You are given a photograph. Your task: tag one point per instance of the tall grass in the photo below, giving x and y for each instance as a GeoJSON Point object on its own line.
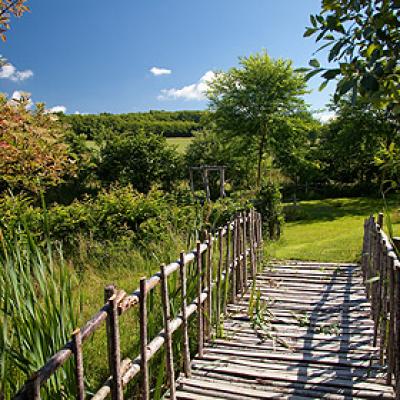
{"type": "Point", "coordinates": [37, 312]}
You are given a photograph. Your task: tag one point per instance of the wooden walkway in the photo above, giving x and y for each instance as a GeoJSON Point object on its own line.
{"type": "Point", "coordinates": [310, 337]}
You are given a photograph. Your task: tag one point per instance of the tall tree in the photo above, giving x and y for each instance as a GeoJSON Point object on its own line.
{"type": "Point", "coordinates": [363, 38]}
{"type": "Point", "coordinates": [245, 99]}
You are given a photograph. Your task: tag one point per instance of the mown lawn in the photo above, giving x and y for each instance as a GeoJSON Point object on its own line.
{"type": "Point", "coordinates": [330, 229]}
{"type": "Point", "coordinates": [181, 143]}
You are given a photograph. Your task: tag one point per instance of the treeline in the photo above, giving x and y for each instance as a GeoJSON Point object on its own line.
{"type": "Point", "coordinates": [165, 123]}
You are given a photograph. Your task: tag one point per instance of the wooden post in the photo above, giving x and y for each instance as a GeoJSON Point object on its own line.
{"type": "Point", "coordinates": [80, 385]}
{"type": "Point", "coordinates": [219, 272]}
{"type": "Point", "coordinates": [397, 331]}
{"type": "Point", "coordinates": [168, 335]}
{"type": "Point", "coordinates": [251, 239]}
{"type": "Point", "coordinates": [206, 183]}
{"type": "Point", "coordinates": [391, 341]}
{"type": "Point", "coordinates": [383, 301]}
{"type": "Point", "coordinates": [113, 342]}
{"type": "Point", "coordinates": [116, 393]}
{"type": "Point", "coordinates": [200, 326]}
{"type": "Point", "coordinates": [233, 290]}
{"type": "Point", "coordinates": [380, 220]}
{"type": "Point", "coordinates": [222, 182]}
{"type": "Point", "coordinates": [144, 367]}
{"type": "Point", "coordinates": [239, 255]}
{"type": "Point", "coordinates": [227, 268]}
{"type": "Point", "coordinates": [245, 277]}
{"type": "Point", "coordinates": [185, 336]}
{"type": "Point", "coordinates": [34, 388]}
{"type": "Point", "coordinates": [191, 180]}
{"type": "Point", "coordinates": [209, 285]}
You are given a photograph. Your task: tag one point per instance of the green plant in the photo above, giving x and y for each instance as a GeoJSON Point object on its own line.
{"type": "Point", "coordinates": [268, 203]}
{"type": "Point", "coordinates": [38, 312]}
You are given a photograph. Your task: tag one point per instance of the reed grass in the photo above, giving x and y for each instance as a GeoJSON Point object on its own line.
{"type": "Point", "coordinates": [38, 312]}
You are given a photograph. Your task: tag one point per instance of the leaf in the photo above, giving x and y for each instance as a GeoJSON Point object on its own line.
{"type": "Point", "coordinates": [314, 63]}
{"type": "Point", "coordinates": [312, 73]}
{"type": "Point", "coordinates": [331, 73]}
{"type": "Point", "coordinates": [309, 32]}
{"type": "Point", "coordinates": [302, 70]}
{"type": "Point", "coordinates": [370, 83]}
{"type": "Point", "coordinates": [322, 86]}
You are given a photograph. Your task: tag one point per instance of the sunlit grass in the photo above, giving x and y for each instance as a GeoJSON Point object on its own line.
{"type": "Point", "coordinates": [181, 143]}
{"type": "Point", "coordinates": [330, 230]}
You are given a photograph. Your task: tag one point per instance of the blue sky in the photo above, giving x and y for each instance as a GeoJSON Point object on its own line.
{"type": "Point", "coordinates": [96, 56]}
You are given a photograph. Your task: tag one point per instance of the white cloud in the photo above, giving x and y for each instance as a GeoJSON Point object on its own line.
{"type": "Point", "coordinates": [195, 91]}
{"type": "Point", "coordinates": [160, 71]}
{"type": "Point", "coordinates": [57, 109]}
{"type": "Point", "coordinates": [325, 117]}
{"type": "Point", "coordinates": [8, 71]}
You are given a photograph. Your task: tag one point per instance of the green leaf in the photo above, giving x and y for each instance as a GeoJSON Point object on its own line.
{"type": "Point", "coordinates": [309, 32]}
{"type": "Point", "coordinates": [331, 73]}
{"type": "Point", "coordinates": [370, 83]}
{"type": "Point", "coordinates": [322, 86]}
{"type": "Point", "coordinates": [312, 73]}
{"type": "Point", "coordinates": [314, 63]}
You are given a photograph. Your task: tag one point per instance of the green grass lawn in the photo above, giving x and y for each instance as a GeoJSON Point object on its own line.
{"type": "Point", "coordinates": [330, 229]}
{"type": "Point", "coordinates": [180, 142]}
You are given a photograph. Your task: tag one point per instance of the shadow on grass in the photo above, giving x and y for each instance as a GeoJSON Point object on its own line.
{"type": "Point", "coordinates": [332, 209]}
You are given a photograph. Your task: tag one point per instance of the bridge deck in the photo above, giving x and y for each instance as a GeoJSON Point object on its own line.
{"type": "Point", "coordinates": [311, 337]}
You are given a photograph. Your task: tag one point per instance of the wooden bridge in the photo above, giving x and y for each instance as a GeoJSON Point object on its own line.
{"type": "Point", "coordinates": [287, 330]}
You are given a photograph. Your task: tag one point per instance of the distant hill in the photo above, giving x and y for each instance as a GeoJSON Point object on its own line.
{"type": "Point", "coordinates": [166, 123]}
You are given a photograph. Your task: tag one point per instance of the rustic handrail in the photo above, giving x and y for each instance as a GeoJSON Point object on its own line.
{"type": "Point", "coordinates": [381, 273]}
{"type": "Point", "coordinates": [243, 252]}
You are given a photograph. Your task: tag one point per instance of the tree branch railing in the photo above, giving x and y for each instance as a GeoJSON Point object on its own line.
{"type": "Point", "coordinates": [381, 273]}
{"type": "Point", "coordinates": [225, 274]}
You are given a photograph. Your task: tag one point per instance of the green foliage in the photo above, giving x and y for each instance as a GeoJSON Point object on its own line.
{"type": "Point", "coordinates": [349, 143]}
{"type": "Point", "coordinates": [246, 99]}
{"type": "Point", "coordinates": [38, 312]}
{"type": "Point", "coordinates": [363, 39]}
{"type": "Point", "coordinates": [164, 123]}
{"type": "Point", "coordinates": [268, 203]}
{"type": "Point", "coordinates": [141, 160]}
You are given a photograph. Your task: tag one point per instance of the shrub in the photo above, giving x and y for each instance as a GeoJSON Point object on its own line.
{"type": "Point", "coordinates": [268, 203]}
{"type": "Point", "coordinates": [141, 160]}
{"type": "Point", "coordinates": [32, 152]}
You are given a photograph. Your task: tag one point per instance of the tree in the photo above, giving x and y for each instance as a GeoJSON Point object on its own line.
{"type": "Point", "coordinates": [9, 8]}
{"type": "Point", "coordinates": [139, 159]}
{"type": "Point", "coordinates": [350, 142]}
{"type": "Point", "coordinates": [246, 99]}
{"type": "Point", "coordinates": [32, 153]}
{"type": "Point", "coordinates": [363, 38]}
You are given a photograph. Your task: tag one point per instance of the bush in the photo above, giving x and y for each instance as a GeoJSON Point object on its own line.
{"type": "Point", "coordinates": [268, 203]}
{"type": "Point", "coordinates": [141, 160]}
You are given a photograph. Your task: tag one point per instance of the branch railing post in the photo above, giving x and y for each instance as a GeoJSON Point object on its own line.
{"type": "Point", "coordinates": [200, 320]}
{"type": "Point", "coordinates": [185, 336]}
{"type": "Point", "coordinates": [381, 274]}
{"type": "Point", "coordinates": [144, 367]}
{"type": "Point", "coordinates": [209, 278]}
{"type": "Point", "coordinates": [168, 335]}
{"type": "Point", "coordinates": [79, 374]}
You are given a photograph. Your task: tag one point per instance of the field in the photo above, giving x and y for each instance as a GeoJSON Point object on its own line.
{"type": "Point", "coordinates": [180, 142]}
{"type": "Point", "coordinates": [329, 230]}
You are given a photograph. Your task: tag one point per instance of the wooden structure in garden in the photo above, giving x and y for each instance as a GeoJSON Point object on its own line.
{"type": "Point", "coordinates": [205, 169]}
{"type": "Point", "coordinates": [288, 330]}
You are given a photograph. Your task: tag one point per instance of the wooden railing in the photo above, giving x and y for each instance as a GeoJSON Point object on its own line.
{"type": "Point", "coordinates": [239, 252]}
{"type": "Point", "coordinates": [381, 272]}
